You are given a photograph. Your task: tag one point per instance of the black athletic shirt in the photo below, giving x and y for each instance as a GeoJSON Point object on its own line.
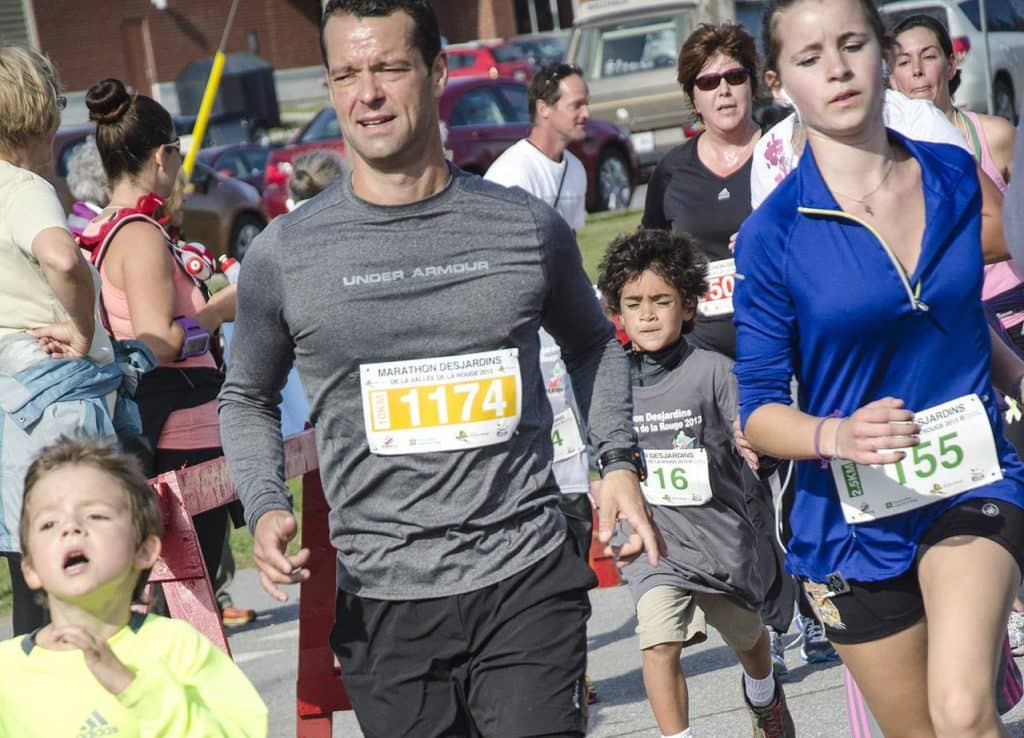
{"type": "Point", "coordinates": [685, 196]}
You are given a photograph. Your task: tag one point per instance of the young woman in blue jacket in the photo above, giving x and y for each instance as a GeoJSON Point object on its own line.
{"type": "Point", "coordinates": [861, 275]}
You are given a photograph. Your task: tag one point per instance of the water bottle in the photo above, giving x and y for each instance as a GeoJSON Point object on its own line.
{"type": "Point", "coordinates": [230, 267]}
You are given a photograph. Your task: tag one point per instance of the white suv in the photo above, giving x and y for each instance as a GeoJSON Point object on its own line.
{"type": "Point", "coordinates": [1006, 46]}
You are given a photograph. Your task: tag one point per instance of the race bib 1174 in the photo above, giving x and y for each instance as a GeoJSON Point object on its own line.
{"type": "Point", "coordinates": [957, 453]}
{"type": "Point", "coordinates": [446, 403]}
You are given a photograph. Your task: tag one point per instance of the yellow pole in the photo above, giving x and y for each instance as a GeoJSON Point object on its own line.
{"type": "Point", "coordinates": [209, 96]}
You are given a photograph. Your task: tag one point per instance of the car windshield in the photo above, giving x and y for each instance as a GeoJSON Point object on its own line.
{"type": "Point", "coordinates": [507, 53]}
{"type": "Point", "coordinates": [632, 46]}
{"type": "Point", "coordinates": [1001, 15]}
{"type": "Point", "coordinates": [323, 127]}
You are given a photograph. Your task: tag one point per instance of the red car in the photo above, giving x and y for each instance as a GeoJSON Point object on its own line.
{"type": "Point", "coordinates": [483, 117]}
{"type": "Point", "coordinates": [489, 59]}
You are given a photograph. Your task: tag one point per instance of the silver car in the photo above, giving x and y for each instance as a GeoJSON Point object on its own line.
{"type": "Point", "coordinates": [1006, 47]}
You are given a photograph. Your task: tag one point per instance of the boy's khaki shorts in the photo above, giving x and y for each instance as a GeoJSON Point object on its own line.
{"type": "Point", "coordinates": [674, 615]}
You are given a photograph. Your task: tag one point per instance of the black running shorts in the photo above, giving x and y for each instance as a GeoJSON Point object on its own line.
{"type": "Point", "coordinates": [507, 660]}
{"type": "Point", "coordinates": [873, 610]}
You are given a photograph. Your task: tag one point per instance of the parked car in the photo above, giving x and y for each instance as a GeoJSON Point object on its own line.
{"type": "Point", "coordinates": [483, 118]}
{"type": "Point", "coordinates": [543, 48]}
{"type": "Point", "coordinates": [1006, 47]}
{"type": "Point", "coordinates": [321, 132]}
{"type": "Point", "coordinates": [488, 59]}
{"type": "Point", "coordinates": [242, 161]}
{"type": "Point", "coordinates": [223, 213]}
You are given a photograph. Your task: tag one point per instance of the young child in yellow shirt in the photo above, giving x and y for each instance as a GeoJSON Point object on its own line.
{"type": "Point", "coordinates": [90, 531]}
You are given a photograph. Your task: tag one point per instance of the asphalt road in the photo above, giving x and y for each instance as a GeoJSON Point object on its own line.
{"type": "Point", "coordinates": [266, 651]}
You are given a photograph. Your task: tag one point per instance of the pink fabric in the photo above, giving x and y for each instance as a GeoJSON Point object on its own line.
{"type": "Point", "coordinates": [190, 428]}
{"type": "Point", "coordinates": [988, 166]}
{"type": "Point", "coordinates": [1006, 274]}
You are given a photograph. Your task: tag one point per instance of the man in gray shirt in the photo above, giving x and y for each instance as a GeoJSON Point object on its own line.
{"type": "Point", "coordinates": [410, 296]}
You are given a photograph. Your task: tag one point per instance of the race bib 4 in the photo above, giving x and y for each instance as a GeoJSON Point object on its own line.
{"type": "Point", "coordinates": [446, 403]}
{"type": "Point", "coordinates": [957, 453]}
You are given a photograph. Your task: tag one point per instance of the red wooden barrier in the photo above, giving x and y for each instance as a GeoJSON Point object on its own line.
{"type": "Point", "coordinates": [320, 690]}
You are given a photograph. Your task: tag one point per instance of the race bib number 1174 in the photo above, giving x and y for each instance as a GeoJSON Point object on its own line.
{"type": "Point", "coordinates": [441, 404]}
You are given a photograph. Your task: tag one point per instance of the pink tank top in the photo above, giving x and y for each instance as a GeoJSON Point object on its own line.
{"type": "Point", "coordinates": [196, 427]}
{"type": "Point", "coordinates": [1006, 274]}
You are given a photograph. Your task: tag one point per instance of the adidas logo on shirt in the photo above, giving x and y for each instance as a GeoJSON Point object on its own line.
{"type": "Point", "coordinates": [724, 194]}
{"type": "Point", "coordinates": [96, 726]}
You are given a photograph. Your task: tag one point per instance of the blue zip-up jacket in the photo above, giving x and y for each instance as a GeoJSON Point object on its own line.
{"type": "Point", "coordinates": [819, 295]}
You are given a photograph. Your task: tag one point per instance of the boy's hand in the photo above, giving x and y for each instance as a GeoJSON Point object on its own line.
{"type": "Point", "coordinates": [273, 532]}
{"type": "Point", "coordinates": [104, 665]}
{"type": "Point", "coordinates": [747, 451]}
{"type": "Point", "coordinates": [620, 498]}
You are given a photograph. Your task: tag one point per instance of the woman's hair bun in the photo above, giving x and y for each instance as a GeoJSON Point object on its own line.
{"type": "Point", "coordinates": [107, 101]}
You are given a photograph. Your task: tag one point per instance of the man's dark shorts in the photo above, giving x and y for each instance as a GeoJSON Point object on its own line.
{"type": "Point", "coordinates": [507, 660]}
{"type": "Point", "coordinates": [873, 610]}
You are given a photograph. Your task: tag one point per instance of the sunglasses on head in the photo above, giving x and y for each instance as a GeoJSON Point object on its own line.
{"type": "Point", "coordinates": [709, 82]}
{"type": "Point", "coordinates": [561, 72]}
{"type": "Point", "coordinates": [174, 144]}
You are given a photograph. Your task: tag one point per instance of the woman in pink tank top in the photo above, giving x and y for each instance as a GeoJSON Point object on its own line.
{"type": "Point", "coordinates": [925, 67]}
{"type": "Point", "coordinates": [148, 295]}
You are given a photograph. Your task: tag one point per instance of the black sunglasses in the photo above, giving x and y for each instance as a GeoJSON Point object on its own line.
{"type": "Point", "coordinates": [709, 82]}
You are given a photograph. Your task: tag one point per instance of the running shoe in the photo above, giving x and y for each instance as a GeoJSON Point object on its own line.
{"type": "Point", "coordinates": [778, 652]}
{"type": "Point", "coordinates": [233, 616]}
{"type": "Point", "coordinates": [815, 647]}
{"type": "Point", "coordinates": [773, 721]}
{"type": "Point", "coordinates": [1015, 629]}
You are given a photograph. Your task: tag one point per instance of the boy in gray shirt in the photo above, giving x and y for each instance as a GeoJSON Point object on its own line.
{"type": "Point", "coordinates": [684, 404]}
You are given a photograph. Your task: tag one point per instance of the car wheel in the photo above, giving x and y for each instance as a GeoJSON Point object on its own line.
{"type": "Point", "coordinates": [614, 186]}
{"type": "Point", "coordinates": [247, 226]}
{"type": "Point", "coordinates": [1002, 100]}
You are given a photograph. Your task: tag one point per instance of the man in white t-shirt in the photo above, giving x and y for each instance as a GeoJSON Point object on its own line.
{"type": "Point", "coordinates": [541, 163]}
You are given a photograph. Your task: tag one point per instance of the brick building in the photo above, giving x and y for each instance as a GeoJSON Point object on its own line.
{"type": "Point", "coordinates": [149, 46]}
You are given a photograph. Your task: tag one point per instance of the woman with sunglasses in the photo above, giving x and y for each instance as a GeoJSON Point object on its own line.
{"type": "Point", "coordinates": [148, 294]}
{"type": "Point", "coordinates": [43, 278]}
{"type": "Point", "coordinates": [702, 188]}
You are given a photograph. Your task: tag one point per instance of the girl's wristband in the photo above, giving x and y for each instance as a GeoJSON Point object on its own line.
{"type": "Point", "coordinates": [817, 439]}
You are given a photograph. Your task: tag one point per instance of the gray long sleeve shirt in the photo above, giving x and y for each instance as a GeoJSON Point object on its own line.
{"type": "Point", "coordinates": [339, 284]}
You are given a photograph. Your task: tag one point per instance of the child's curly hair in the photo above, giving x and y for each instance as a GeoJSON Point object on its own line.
{"type": "Point", "coordinates": [673, 257]}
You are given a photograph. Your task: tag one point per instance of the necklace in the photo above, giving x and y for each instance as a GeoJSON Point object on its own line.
{"type": "Point", "coordinates": [862, 200]}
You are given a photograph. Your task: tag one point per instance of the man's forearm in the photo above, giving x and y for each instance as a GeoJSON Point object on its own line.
{"type": "Point", "coordinates": [251, 436]}
{"type": "Point", "coordinates": [601, 384]}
